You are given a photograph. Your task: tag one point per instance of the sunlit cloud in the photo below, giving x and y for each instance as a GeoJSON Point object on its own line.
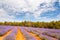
{"type": "Point", "coordinates": [27, 9]}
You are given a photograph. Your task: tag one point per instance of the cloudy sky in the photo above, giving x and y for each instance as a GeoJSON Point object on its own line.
{"type": "Point", "coordinates": [30, 10]}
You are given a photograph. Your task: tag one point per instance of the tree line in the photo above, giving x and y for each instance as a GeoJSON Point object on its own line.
{"type": "Point", "coordinates": [52, 24]}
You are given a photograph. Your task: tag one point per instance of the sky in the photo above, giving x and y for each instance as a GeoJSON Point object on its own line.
{"type": "Point", "coordinates": [29, 10]}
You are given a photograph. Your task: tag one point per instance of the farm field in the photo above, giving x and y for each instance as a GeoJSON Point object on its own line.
{"type": "Point", "coordinates": [28, 33]}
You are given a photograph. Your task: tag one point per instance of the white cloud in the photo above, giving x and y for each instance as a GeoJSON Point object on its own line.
{"type": "Point", "coordinates": [33, 6]}
{"type": "Point", "coordinates": [59, 2]}
{"type": "Point", "coordinates": [4, 16]}
{"type": "Point", "coordinates": [26, 5]}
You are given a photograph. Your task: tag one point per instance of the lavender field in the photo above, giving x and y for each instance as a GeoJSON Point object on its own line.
{"type": "Point", "coordinates": [29, 19]}
{"type": "Point", "coordinates": [28, 33]}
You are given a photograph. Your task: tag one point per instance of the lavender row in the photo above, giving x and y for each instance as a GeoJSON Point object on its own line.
{"type": "Point", "coordinates": [4, 29]}
{"type": "Point", "coordinates": [27, 35]}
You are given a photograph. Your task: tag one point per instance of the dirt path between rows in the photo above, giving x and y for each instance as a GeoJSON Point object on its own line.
{"type": "Point", "coordinates": [19, 35]}
{"type": "Point", "coordinates": [7, 33]}
{"type": "Point", "coordinates": [34, 35]}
